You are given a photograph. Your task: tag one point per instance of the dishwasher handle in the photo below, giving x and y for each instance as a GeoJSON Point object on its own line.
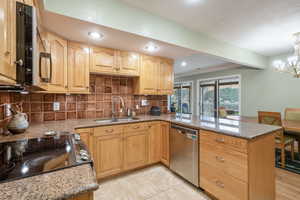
{"type": "Point", "coordinates": [184, 130]}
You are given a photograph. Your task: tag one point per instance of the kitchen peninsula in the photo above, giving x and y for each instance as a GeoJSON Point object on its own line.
{"type": "Point", "coordinates": [235, 158]}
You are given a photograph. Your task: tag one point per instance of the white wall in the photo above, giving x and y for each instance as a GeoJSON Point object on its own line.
{"type": "Point", "coordinates": [266, 90]}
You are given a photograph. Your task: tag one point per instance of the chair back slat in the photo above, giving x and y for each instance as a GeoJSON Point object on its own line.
{"type": "Point", "coordinates": [271, 118]}
{"type": "Point", "coordinates": [292, 114]}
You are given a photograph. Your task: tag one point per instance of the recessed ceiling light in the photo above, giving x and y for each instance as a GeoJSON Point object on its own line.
{"type": "Point", "coordinates": [193, 1]}
{"type": "Point", "coordinates": [95, 35]}
{"type": "Point", "coordinates": [151, 47]}
{"type": "Point", "coordinates": [183, 63]}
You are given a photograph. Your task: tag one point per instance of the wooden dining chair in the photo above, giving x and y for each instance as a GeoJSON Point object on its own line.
{"type": "Point", "coordinates": [282, 141]}
{"type": "Point", "coordinates": [293, 114]}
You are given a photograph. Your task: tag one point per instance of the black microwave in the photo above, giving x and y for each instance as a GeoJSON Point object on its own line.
{"type": "Point", "coordinates": [26, 45]}
{"type": "Point", "coordinates": [28, 56]}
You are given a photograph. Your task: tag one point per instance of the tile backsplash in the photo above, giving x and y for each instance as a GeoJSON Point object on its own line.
{"type": "Point", "coordinates": [98, 104]}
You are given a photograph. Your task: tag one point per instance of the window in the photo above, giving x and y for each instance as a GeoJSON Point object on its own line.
{"type": "Point", "coordinates": [181, 100]}
{"type": "Point", "coordinates": [219, 97]}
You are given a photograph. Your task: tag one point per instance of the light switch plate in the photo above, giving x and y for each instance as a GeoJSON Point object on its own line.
{"type": "Point", "coordinates": [144, 103]}
{"type": "Point", "coordinates": [56, 106]}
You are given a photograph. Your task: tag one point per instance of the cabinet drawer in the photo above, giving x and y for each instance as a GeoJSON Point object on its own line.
{"type": "Point", "coordinates": [231, 162]}
{"type": "Point", "coordinates": [222, 186]}
{"type": "Point", "coordinates": [136, 127]}
{"type": "Point", "coordinates": [108, 130]}
{"type": "Point", "coordinates": [228, 142]}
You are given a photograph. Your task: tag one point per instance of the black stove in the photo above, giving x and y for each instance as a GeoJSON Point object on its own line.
{"type": "Point", "coordinates": [29, 157]}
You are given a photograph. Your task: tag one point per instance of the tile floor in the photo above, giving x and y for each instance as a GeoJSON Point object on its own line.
{"type": "Point", "coordinates": [153, 183]}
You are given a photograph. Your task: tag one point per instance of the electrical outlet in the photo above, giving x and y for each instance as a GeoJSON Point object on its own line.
{"type": "Point", "coordinates": [7, 112]}
{"type": "Point", "coordinates": [56, 106]}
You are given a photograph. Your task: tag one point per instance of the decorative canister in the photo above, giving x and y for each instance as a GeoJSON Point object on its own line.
{"type": "Point", "coordinates": [19, 123]}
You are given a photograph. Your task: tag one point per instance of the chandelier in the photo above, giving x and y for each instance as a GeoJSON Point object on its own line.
{"type": "Point", "coordinates": [292, 65]}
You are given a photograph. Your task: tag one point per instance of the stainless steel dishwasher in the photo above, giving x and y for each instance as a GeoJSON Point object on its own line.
{"type": "Point", "coordinates": [184, 153]}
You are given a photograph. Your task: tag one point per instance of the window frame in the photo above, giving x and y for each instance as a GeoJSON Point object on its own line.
{"type": "Point", "coordinates": [191, 85]}
{"type": "Point", "coordinates": [238, 76]}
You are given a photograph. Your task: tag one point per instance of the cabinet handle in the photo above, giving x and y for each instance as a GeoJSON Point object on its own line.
{"type": "Point", "coordinates": [220, 184]}
{"type": "Point", "coordinates": [7, 53]}
{"type": "Point", "coordinates": [220, 159]}
{"type": "Point", "coordinates": [136, 127]}
{"type": "Point", "coordinates": [109, 131]}
{"type": "Point", "coordinates": [220, 140]}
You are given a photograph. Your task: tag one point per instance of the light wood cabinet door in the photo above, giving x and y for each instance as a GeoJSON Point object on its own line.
{"type": "Point", "coordinates": [28, 2]}
{"type": "Point", "coordinates": [155, 143]}
{"type": "Point", "coordinates": [58, 48]}
{"type": "Point", "coordinates": [136, 149]}
{"type": "Point", "coordinates": [165, 133]}
{"type": "Point", "coordinates": [108, 155]}
{"type": "Point", "coordinates": [7, 41]}
{"type": "Point", "coordinates": [85, 196]}
{"type": "Point", "coordinates": [128, 63]}
{"type": "Point", "coordinates": [148, 81]}
{"type": "Point", "coordinates": [103, 60]}
{"type": "Point", "coordinates": [78, 68]}
{"type": "Point", "coordinates": [166, 77]}
{"type": "Point", "coordinates": [85, 137]}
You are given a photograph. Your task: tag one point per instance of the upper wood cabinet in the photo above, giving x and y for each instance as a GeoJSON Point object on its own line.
{"type": "Point", "coordinates": [166, 77]}
{"type": "Point", "coordinates": [128, 63]}
{"type": "Point", "coordinates": [78, 68]}
{"type": "Point", "coordinates": [147, 83]}
{"type": "Point", "coordinates": [58, 49]}
{"type": "Point", "coordinates": [8, 42]}
{"type": "Point", "coordinates": [156, 76]}
{"type": "Point", "coordinates": [114, 62]}
{"type": "Point", "coordinates": [103, 60]}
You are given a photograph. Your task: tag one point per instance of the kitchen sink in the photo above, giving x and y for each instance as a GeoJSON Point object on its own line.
{"type": "Point", "coordinates": [127, 119]}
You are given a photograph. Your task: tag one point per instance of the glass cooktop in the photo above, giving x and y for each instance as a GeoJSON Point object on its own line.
{"type": "Point", "coordinates": [29, 157]}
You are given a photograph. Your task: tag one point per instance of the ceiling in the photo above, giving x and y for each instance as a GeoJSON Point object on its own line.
{"type": "Point", "coordinates": [76, 30]}
{"type": "Point", "coordinates": [263, 26]}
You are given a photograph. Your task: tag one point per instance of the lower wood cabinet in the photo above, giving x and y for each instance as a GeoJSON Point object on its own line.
{"type": "Point", "coordinates": [85, 196]}
{"type": "Point", "coordinates": [136, 149]}
{"type": "Point", "coordinates": [119, 148]}
{"type": "Point", "coordinates": [85, 134]}
{"type": "Point", "coordinates": [108, 155]}
{"type": "Point", "coordinates": [165, 133]}
{"type": "Point", "coordinates": [155, 142]}
{"type": "Point", "coordinates": [233, 168]}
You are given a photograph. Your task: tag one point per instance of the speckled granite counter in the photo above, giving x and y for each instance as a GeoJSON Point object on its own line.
{"type": "Point", "coordinates": [247, 130]}
{"type": "Point", "coordinates": [58, 185]}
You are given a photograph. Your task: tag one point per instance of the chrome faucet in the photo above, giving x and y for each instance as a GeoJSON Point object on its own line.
{"type": "Point", "coordinates": [113, 110]}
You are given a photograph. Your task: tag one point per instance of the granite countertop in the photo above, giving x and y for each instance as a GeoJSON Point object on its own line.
{"type": "Point", "coordinates": [236, 128]}
{"type": "Point", "coordinates": [58, 185]}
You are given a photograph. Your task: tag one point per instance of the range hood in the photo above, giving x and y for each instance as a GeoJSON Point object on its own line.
{"type": "Point", "coordinates": [13, 88]}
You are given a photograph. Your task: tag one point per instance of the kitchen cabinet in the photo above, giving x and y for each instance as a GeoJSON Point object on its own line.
{"type": "Point", "coordinates": [147, 83]}
{"type": "Point", "coordinates": [156, 76]}
{"type": "Point", "coordinates": [166, 77]}
{"type": "Point", "coordinates": [108, 150]}
{"type": "Point", "coordinates": [58, 48]}
{"type": "Point", "coordinates": [28, 2]}
{"type": "Point", "coordinates": [78, 68]}
{"type": "Point", "coordinates": [128, 63]}
{"type": "Point", "coordinates": [165, 139]}
{"type": "Point", "coordinates": [155, 142]}
{"type": "Point", "coordinates": [136, 148]}
{"type": "Point", "coordinates": [8, 42]}
{"type": "Point", "coordinates": [85, 136]}
{"type": "Point", "coordinates": [103, 60]}
{"type": "Point", "coordinates": [85, 196]}
{"type": "Point", "coordinates": [233, 168]}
